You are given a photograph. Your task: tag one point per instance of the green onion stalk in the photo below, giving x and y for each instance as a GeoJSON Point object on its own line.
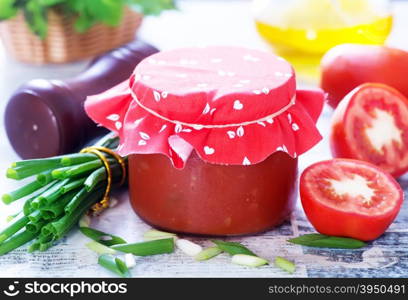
{"type": "Point", "coordinates": [61, 191]}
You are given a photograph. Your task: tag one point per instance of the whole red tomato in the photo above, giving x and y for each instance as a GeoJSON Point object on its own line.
{"type": "Point", "coordinates": [344, 67]}
{"type": "Point", "coordinates": [349, 198]}
{"type": "Point", "coordinates": [371, 124]}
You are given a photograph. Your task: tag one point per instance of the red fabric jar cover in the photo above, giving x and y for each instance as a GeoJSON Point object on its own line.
{"type": "Point", "coordinates": [232, 105]}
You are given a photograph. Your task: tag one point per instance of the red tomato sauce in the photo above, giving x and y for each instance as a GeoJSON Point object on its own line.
{"type": "Point", "coordinates": [211, 199]}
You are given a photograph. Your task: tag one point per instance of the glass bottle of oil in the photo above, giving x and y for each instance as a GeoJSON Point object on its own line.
{"type": "Point", "coordinates": [303, 30]}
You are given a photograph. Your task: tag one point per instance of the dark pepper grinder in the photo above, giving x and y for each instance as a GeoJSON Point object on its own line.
{"type": "Point", "coordinates": [46, 117]}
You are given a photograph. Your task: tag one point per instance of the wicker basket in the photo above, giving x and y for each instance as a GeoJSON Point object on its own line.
{"type": "Point", "coordinates": [63, 44]}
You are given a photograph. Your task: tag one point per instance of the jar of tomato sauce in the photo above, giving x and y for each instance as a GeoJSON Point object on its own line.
{"type": "Point", "coordinates": [212, 137]}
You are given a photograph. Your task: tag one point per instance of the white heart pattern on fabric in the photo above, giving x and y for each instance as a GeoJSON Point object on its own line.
{"type": "Point", "coordinates": [157, 96]}
{"type": "Point", "coordinates": [163, 128]}
{"type": "Point", "coordinates": [144, 135]}
{"type": "Point", "coordinates": [164, 95]}
{"type": "Point", "coordinates": [238, 105]}
{"type": "Point", "coordinates": [269, 120]}
{"type": "Point", "coordinates": [138, 121]}
{"type": "Point", "coordinates": [209, 150]}
{"type": "Point", "coordinates": [178, 128]}
{"type": "Point", "coordinates": [240, 131]}
{"type": "Point", "coordinates": [142, 143]}
{"type": "Point", "coordinates": [289, 118]}
{"type": "Point", "coordinates": [246, 161]}
{"type": "Point", "coordinates": [118, 125]}
{"type": "Point", "coordinates": [295, 127]}
{"type": "Point", "coordinates": [207, 109]}
{"type": "Point", "coordinates": [231, 134]}
{"type": "Point", "coordinates": [113, 117]}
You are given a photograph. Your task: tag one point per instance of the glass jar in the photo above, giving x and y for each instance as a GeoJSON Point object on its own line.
{"type": "Point", "coordinates": [301, 31]}
{"type": "Point", "coordinates": [212, 199]}
{"type": "Point", "coordinates": [212, 136]}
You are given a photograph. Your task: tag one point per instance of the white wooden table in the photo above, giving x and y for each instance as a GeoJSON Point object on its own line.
{"type": "Point", "coordinates": [201, 23]}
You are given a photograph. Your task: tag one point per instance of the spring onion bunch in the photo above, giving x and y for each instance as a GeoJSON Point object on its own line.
{"type": "Point", "coordinates": [61, 191]}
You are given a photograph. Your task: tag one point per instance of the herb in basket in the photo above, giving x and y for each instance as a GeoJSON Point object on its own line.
{"type": "Point", "coordinates": [86, 12]}
{"type": "Point", "coordinates": [64, 188]}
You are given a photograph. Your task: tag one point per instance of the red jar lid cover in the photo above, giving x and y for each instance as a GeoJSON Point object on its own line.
{"type": "Point", "coordinates": [232, 105]}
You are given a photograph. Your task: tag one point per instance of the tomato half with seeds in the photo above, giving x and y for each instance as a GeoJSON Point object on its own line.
{"type": "Point", "coordinates": [371, 124]}
{"type": "Point", "coordinates": [350, 198]}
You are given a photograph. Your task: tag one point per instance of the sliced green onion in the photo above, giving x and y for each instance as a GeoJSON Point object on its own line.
{"type": "Point", "coordinates": [85, 221]}
{"type": "Point", "coordinates": [45, 177]}
{"type": "Point", "coordinates": [41, 240]}
{"type": "Point", "coordinates": [72, 185]}
{"type": "Point", "coordinates": [113, 264]}
{"type": "Point", "coordinates": [147, 248]}
{"type": "Point", "coordinates": [78, 158]}
{"type": "Point", "coordinates": [285, 264]}
{"type": "Point", "coordinates": [60, 227]}
{"type": "Point", "coordinates": [35, 216]}
{"type": "Point", "coordinates": [17, 223]}
{"type": "Point", "coordinates": [99, 248]}
{"type": "Point", "coordinates": [59, 173]}
{"type": "Point", "coordinates": [56, 209]}
{"type": "Point", "coordinates": [97, 176]}
{"type": "Point", "coordinates": [83, 168]}
{"type": "Point", "coordinates": [49, 195]}
{"type": "Point", "coordinates": [208, 253]}
{"type": "Point", "coordinates": [76, 201]}
{"type": "Point", "coordinates": [10, 218]}
{"type": "Point", "coordinates": [35, 227]}
{"type": "Point", "coordinates": [27, 208]}
{"type": "Point", "coordinates": [45, 246]}
{"type": "Point", "coordinates": [188, 247]}
{"type": "Point", "coordinates": [21, 192]}
{"type": "Point", "coordinates": [130, 260]}
{"type": "Point", "coordinates": [248, 260]}
{"type": "Point", "coordinates": [325, 241]}
{"type": "Point", "coordinates": [233, 248]}
{"type": "Point", "coordinates": [21, 172]}
{"type": "Point", "coordinates": [38, 162]}
{"type": "Point", "coordinates": [16, 241]}
{"type": "Point", "coordinates": [102, 237]}
{"type": "Point", "coordinates": [157, 235]}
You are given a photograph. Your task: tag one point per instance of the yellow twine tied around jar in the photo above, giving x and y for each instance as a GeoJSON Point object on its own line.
{"type": "Point", "coordinates": [98, 151]}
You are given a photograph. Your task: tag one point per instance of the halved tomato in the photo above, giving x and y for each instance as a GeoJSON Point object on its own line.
{"type": "Point", "coordinates": [371, 124]}
{"type": "Point", "coordinates": [350, 198]}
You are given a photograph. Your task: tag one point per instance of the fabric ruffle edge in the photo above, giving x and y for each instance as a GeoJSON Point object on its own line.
{"type": "Point", "coordinates": [294, 131]}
